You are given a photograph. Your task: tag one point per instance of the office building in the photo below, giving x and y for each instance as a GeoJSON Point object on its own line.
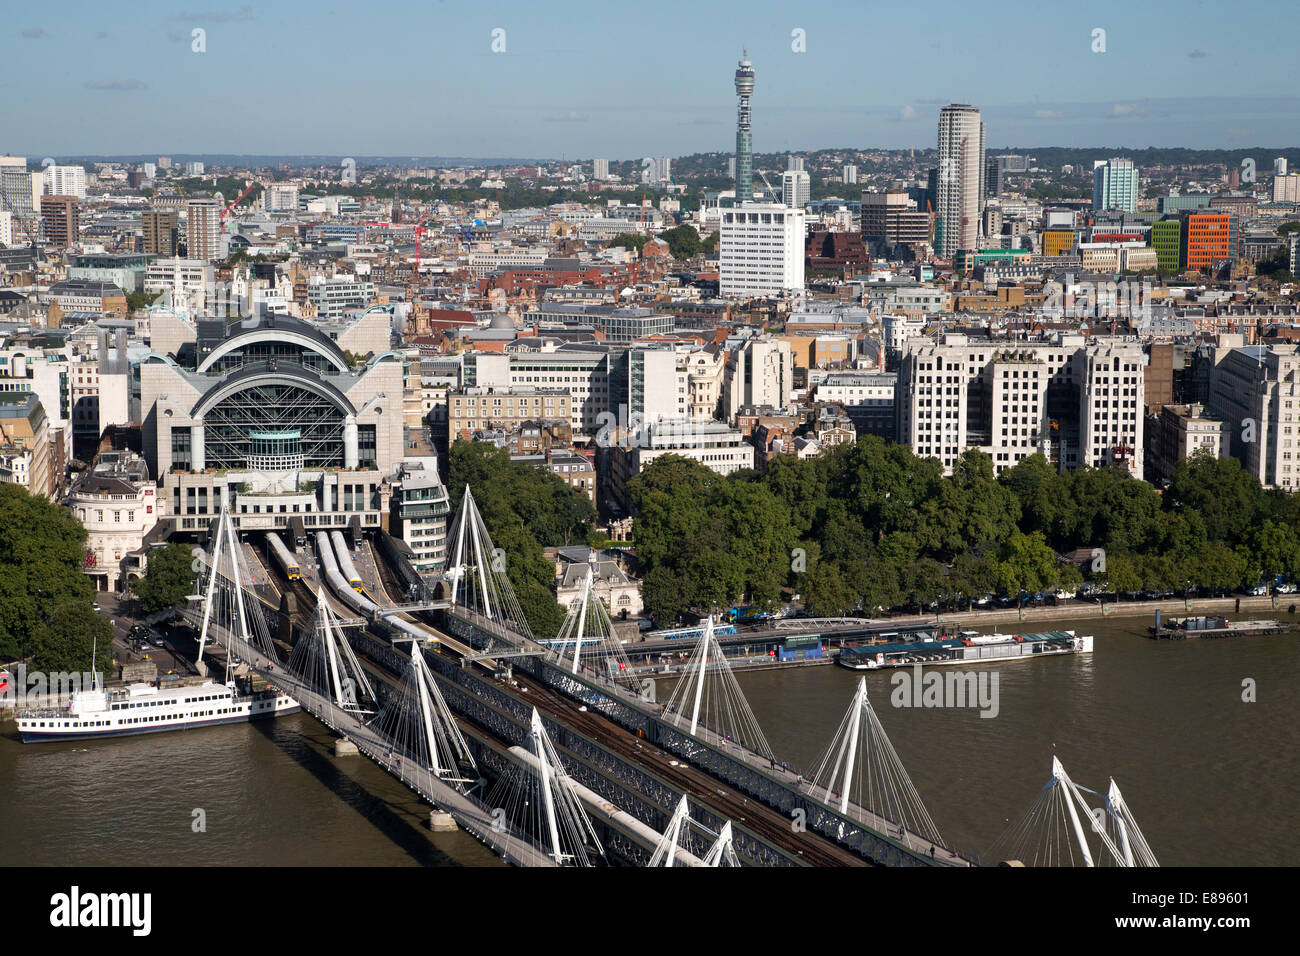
{"type": "Point", "coordinates": [893, 217]}
{"type": "Point", "coordinates": [1167, 241]}
{"type": "Point", "coordinates": [203, 229]}
{"type": "Point", "coordinates": [194, 169]}
{"type": "Point", "coordinates": [716, 445]}
{"type": "Point", "coordinates": [282, 197]}
{"type": "Point", "coordinates": [420, 511]}
{"type": "Point", "coordinates": [1254, 389]}
{"type": "Point", "coordinates": [270, 420]}
{"type": "Point", "coordinates": [760, 372]}
{"type": "Point", "coordinates": [161, 232]}
{"type": "Point", "coordinates": [60, 219]}
{"type": "Point", "coordinates": [795, 185]}
{"type": "Point", "coordinates": [64, 181]}
{"type": "Point", "coordinates": [616, 323]}
{"type": "Point", "coordinates": [478, 408]}
{"type": "Point", "coordinates": [25, 445]}
{"type": "Point", "coordinates": [333, 297]}
{"type": "Point", "coordinates": [761, 250]}
{"type": "Point", "coordinates": [1182, 431]}
{"type": "Point", "coordinates": [600, 169]}
{"type": "Point", "coordinates": [959, 179]}
{"type": "Point", "coordinates": [1115, 185]}
{"type": "Point", "coordinates": [1206, 238]}
{"type": "Point", "coordinates": [1077, 402]}
{"type": "Point", "coordinates": [1286, 187]}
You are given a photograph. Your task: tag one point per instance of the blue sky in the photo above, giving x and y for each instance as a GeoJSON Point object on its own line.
{"type": "Point", "coordinates": [623, 80]}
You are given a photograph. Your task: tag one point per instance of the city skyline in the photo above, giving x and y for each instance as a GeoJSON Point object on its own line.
{"type": "Point", "coordinates": [136, 86]}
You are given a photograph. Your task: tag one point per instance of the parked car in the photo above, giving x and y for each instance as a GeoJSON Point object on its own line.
{"type": "Point", "coordinates": [1287, 588]}
{"type": "Point", "coordinates": [1259, 590]}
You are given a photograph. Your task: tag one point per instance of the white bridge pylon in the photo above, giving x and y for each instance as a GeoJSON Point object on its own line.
{"type": "Point", "coordinates": [477, 572]}
{"type": "Point", "coordinates": [419, 725]}
{"type": "Point", "coordinates": [1057, 825]}
{"type": "Point", "coordinates": [670, 849]}
{"type": "Point", "coordinates": [708, 693]}
{"type": "Point", "coordinates": [590, 631]}
{"type": "Point", "coordinates": [541, 799]}
{"type": "Point", "coordinates": [225, 594]}
{"type": "Point", "coordinates": [326, 662]}
{"type": "Point", "coordinates": [861, 767]}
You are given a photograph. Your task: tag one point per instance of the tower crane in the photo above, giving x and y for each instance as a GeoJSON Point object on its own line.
{"type": "Point", "coordinates": [238, 199]}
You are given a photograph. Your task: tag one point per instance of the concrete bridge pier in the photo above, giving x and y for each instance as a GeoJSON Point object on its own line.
{"type": "Point", "coordinates": [442, 822]}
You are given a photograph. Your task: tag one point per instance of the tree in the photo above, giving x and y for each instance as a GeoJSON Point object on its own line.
{"type": "Point", "coordinates": [1228, 498]}
{"type": "Point", "coordinates": [167, 580]}
{"type": "Point", "coordinates": [1037, 486]}
{"type": "Point", "coordinates": [140, 299]}
{"type": "Point", "coordinates": [683, 241]}
{"type": "Point", "coordinates": [1270, 549]}
{"type": "Point", "coordinates": [826, 592]}
{"type": "Point", "coordinates": [1122, 574]}
{"type": "Point", "coordinates": [65, 640]}
{"type": "Point", "coordinates": [973, 574]}
{"type": "Point", "coordinates": [524, 508]}
{"type": "Point", "coordinates": [42, 551]}
{"type": "Point", "coordinates": [626, 240]}
{"type": "Point", "coordinates": [1026, 563]}
{"type": "Point", "coordinates": [719, 540]}
{"type": "Point", "coordinates": [710, 244]}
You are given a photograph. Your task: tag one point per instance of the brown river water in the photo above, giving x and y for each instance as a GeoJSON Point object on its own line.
{"type": "Point", "coordinates": [1210, 779]}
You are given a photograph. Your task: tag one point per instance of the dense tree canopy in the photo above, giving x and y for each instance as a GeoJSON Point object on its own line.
{"type": "Point", "coordinates": [43, 592]}
{"type": "Point", "coordinates": [872, 525]}
{"type": "Point", "coordinates": [683, 241]}
{"type": "Point", "coordinates": [629, 240]}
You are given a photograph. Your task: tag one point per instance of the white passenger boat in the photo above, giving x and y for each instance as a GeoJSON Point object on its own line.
{"type": "Point", "coordinates": [145, 709]}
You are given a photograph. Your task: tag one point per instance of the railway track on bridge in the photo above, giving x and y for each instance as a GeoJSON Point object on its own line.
{"type": "Point", "coordinates": [762, 820]}
{"type": "Point", "coordinates": [758, 817]}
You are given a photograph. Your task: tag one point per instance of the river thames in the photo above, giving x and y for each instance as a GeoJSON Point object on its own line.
{"type": "Point", "coordinates": [1211, 779]}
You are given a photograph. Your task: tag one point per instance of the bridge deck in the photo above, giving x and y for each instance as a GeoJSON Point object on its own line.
{"type": "Point", "coordinates": [471, 814]}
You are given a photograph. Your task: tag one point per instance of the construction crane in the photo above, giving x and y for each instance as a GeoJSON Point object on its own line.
{"type": "Point", "coordinates": [238, 199]}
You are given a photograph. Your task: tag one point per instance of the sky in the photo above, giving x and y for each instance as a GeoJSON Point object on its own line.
{"type": "Point", "coordinates": [625, 80]}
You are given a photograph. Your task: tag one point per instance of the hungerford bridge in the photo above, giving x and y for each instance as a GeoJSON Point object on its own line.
{"type": "Point", "coordinates": [553, 754]}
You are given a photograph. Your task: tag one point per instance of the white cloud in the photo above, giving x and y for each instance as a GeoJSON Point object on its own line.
{"type": "Point", "coordinates": [907, 113]}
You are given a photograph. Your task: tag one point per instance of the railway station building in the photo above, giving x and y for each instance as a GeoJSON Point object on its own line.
{"type": "Point", "coordinates": [273, 418]}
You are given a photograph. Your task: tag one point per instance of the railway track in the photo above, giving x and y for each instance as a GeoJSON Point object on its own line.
{"type": "Point", "coordinates": [758, 817]}
{"type": "Point", "coordinates": [755, 815]}
{"type": "Point", "coordinates": [764, 821]}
